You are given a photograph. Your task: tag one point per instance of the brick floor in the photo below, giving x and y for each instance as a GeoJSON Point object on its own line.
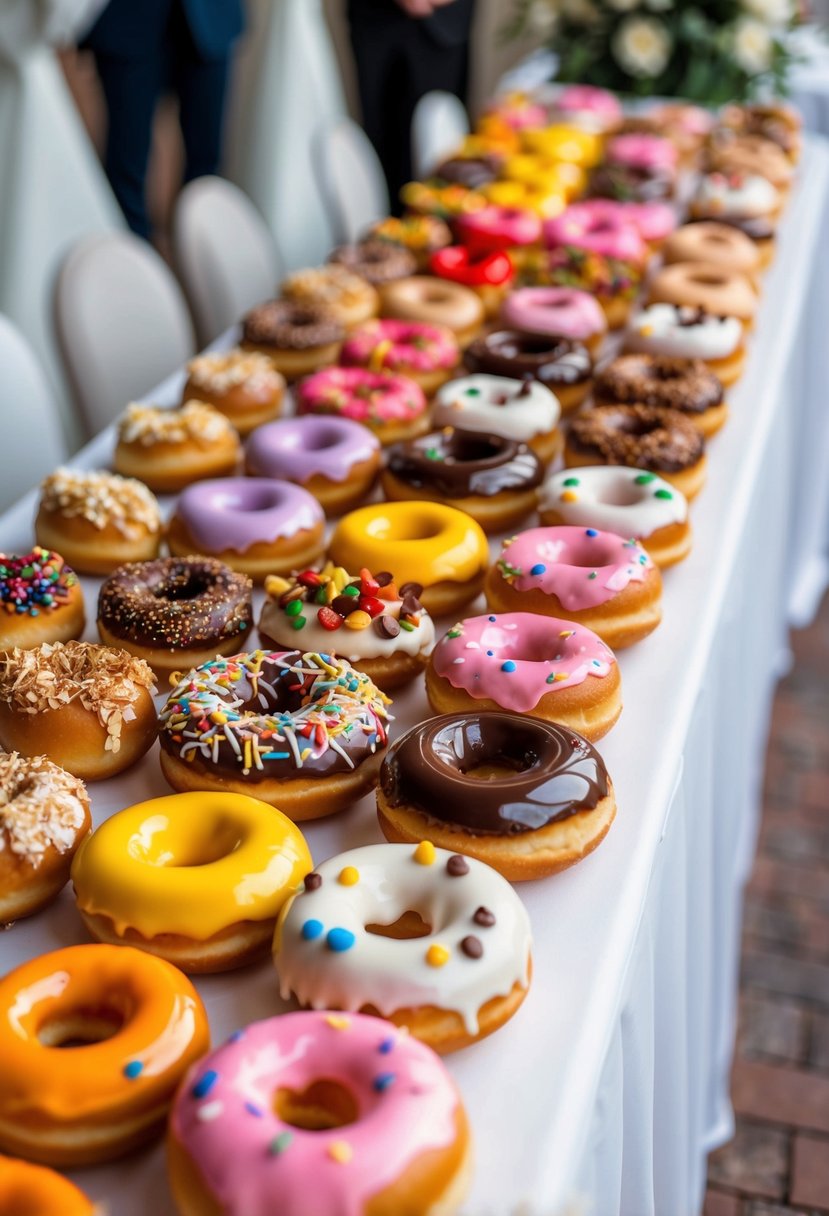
{"type": "Point", "coordinates": [778, 1162]}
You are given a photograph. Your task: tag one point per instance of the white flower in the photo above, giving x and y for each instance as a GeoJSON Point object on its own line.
{"type": "Point", "coordinates": [752, 45]}
{"type": "Point", "coordinates": [581, 12]}
{"type": "Point", "coordinates": [543, 16]}
{"type": "Point", "coordinates": [622, 6]}
{"type": "Point", "coordinates": [642, 46]}
{"type": "Point", "coordinates": [770, 12]}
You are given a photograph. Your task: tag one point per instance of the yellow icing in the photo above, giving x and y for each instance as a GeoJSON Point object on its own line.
{"type": "Point", "coordinates": [563, 142]}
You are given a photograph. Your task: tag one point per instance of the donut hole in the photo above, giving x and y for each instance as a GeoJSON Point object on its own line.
{"type": "Point", "coordinates": [707, 280]}
{"type": "Point", "coordinates": [187, 586]}
{"type": "Point", "coordinates": [621, 493]}
{"type": "Point", "coordinates": [410, 924]}
{"type": "Point", "coordinates": [320, 1107]}
{"type": "Point", "coordinates": [81, 1027]}
{"type": "Point", "coordinates": [407, 527]}
{"type": "Point", "coordinates": [497, 768]}
{"type": "Point", "coordinates": [256, 498]}
{"type": "Point", "coordinates": [321, 442]}
{"type": "Point", "coordinates": [211, 841]}
{"type": "Point", "coordinates": [477, 448]}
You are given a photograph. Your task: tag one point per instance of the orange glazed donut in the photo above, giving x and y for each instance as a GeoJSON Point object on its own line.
{"type": "Point", "coordinates": [32, 1190]}
{"type": "Point", "coordinates": [135, 1024]}
{"type": "Point", "coordinates": [434, 301]}
{"type": "Point", "coordinates": [725, 293]}
{"type": "Point", "coordinates": [40, 600]}
{"type": "Point", "coordinates": [243, 385]}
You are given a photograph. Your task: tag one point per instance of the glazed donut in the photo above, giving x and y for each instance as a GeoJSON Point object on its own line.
{"type": "Point", "coordinates": [364, 1119]}
{"type": "Point", "coordinates": [196, 879]}
{"type": "Point", "coordinates": [685, 385]}
{"type": "Point", "coordinates": [716, 244]}
{"type": "Point", "coordinates": [141, 1023]}
{"type": "Point", "coordinates": [391, 406]}
{"type": "Point", "coordinates": [556, 312]}
{"type": "Point", "coordinates": [297, 338]}
{"type": "Point", "coordinates": [304, 731]}
{"type": "Point", "coordinates": [598, 230]}
{"type": "Point", "coordinates": [561, 365]}
{"type": "Point", "coordinates": [434, 301]}
{"type": "Point", "coordinates": [642, 437]}
{"type": "Point", "coordinates": [726, 293]}
{"type": "Point", "coordinates": [335, 459]}
{"type": "Point", "coordinates": [525, 411]}
{"type": "Point", "coordinates": [596, 108]}
{"type": "Point", "coordinates": [641, 150]}
{"type": "Point", "coordinates": [41, 600]}
{"type": "Point", "coordinates": [425, 983]}
{"type": "Point", "coordinates": [613, 283]}
{"type": "Point", "coordinates": [421, 235]}
{"type": "Point", "coordinates": [627, 183]}
{"type": "Point", "coordinates": [730, 153]}
{"type": "Point", "coordinates": [91, 705]}
{"type": "Point", "coordinates": [624, 501]}
{"type": "Point", "coordinates": [596, 579]}
{"type": "Point", "coordinates": [349, 298]}
{"type": "Point", "coordinates": [435, 198]}
{"type": "Point", "coordinates": [493, 228]}
{"type": "Point", "coordinates": [376, 261]}
{"type": "Point", "coordinates": [169, 448]}
{"type": "Point", "coordinates": [442, 550]}
{"type": "Point", "coordinates": [243, 385]}
{"type": "Point", "coordinates": [175, 612]}
{"type": "Point", "coordinates": [427, 354]}
{"type": "Point", "coordinates": [44, 816]}
{"type": "Point", "coordinates": [97, 520]}
{"type": "Point", "coordinates": [528, 797]}
{"type": "Point", "coordinates": [388, 633]}
{"type": "Point", "coordinates": [565, 142]}
{"type": "Point", "coordinates": [527, 664]}
{"type": "Point", "coordinates": [33, 1190]}
{"type": "Point", "coordinates": [254, 525]}
{"type": "Point", "coordinates": [745, 195]}
{"type": "Point", "coordinates": [494, 480]}
{"type": "Point", "coordinates": [676, 331]}
{"type": "Point", "coordinates": [488, 275]}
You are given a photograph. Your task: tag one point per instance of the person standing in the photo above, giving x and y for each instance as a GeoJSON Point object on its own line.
{"type": "Point", "coordinates": [144, 48]}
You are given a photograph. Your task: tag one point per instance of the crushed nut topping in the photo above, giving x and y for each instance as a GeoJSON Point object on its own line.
{"type": "Point", "coordinates": [41, 807]}
{"type": "Point", "coordinates": [102, 499]}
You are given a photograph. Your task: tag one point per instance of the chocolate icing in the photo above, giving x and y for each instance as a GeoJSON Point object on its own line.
{"type": "Point", "coordinates": [680, 384]}
{"type": "Point", "coordinates": [285, 325]}
{"type": "Point", "coordinates": [638, 436]}
{"type": "Point", "coordinates": [509, 352]}
{"type": "Point", "coordinates": [469, 171]}
{"type": "Point", "coordinates": [630, 183]}
{"type": "Point", "coordinates": [557, 773]}
{"type": "Point", "coordinates": [459, 464]}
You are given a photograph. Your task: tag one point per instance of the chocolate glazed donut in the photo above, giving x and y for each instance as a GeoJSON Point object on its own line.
{"type": "Point", "coordinates": [554, 362]}
{"type": "Point", "coordinates": [282, 324]}
{"type": "Point", "coordinates": [462, 464]}
{"type": "Point", "coordinates": [686, 385]}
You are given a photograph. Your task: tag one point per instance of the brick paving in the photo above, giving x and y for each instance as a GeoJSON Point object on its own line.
{"type": "Point", "coordinates": [778, 1162]}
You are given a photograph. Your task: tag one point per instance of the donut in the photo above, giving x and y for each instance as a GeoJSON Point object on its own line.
{"type": "Point", "coordinates": [470, 171]}
{"type": "Point", "coordinates": [529, 664]}
{"type": "Point", "coordinates": [541, 199]}
{"type": "Point", "coordinates": [652, 221]}
{"type": "Point", "coordinates": [584, 226]}
{"type": "Point", "coordinates": [254, 525]}
{"type": "Point", "coordinates": [421, 235]}
{"type": "Point", "coordinates": [525, 796]}
{"type": "Point", "coordinates": [331, 1113]}
{"type": "Point", "coordinates": [685, 125]}
{"type": "Point", "coordinates": [381, 629]}
{"type": "Point", "coordinates": [488, 275]}
{"type": "Point", "coordinates": [427, 354]}
{"type": "Point", "coordinates": [175, 612]}
{"type": "Point", "coordinates": [726, 293]}
{"type": "Point", "coordinates": [709, 241]}
{"type": "Point", "coordinates": [140, 1023]}
{"type": "Point", "coordinates": [546, 174]}
{"type": "Point", "coordinates": [350, 299]}
{"type": "Point", "coordinates": [745, 195]}
{"type": "Point", "coordinates": [303, 731]}
{"type": "Point", "coordinates": [624, 501]}
{"type": "Point", "coordinates": [776, 121]}
{"type": "Point", "coordinates": [297, 338]}
{"type": "Point", "coordinates": [440, 200]}
{"type": "Point", "coordinates": [441, 549]}
{"type": "Point", "coordinates": [243, 385]}
{"type": "Point", "coordinates": [33, 1190]}
{"type": "Point", "coordinates": [335, 459]}
{"type": "Point", "coordinates": [493, 228]}
{"type": "Point", "coordinates": [677, 331]}
{"type": "Point", "coordinates": [391, 406]}
{"type": "Point", "coordinates": [451, 986]}
{"type": "Point", "coordinates": [493, 479]}
{"type": "Point", "coordinates": [597, 108]}
{"type": "Point", "coordinates": [525, 411]}
{"type": "Point", "coordinates": [518, 110]}
{"type": "Point", "coordinates": [556, 312]}
{"type": "Point", "coordinates": [561, 365]}
{"type": "Point", "coordinates": [595, 579]}
{"type": "Point", "coordinates": [731, 153]}
{"type": "Point", "coordinates": [167, 449]}
{"type": "Point", "coordinates": [629, 183]}
{"type": "Point", "coordinates": [429, 300]}
{"type": "Point", "coordinates": [89, 707]}
{"type": "Point", "coordinates": [565, 141]}
{"type": "Point", "coordinates": [196, 879]}
{"type": "Point", "coordinates": [378, 262]}
{"type": "Point", "coordinates": [41, 600]}
{"type": "Point", "coordinates": [44, 816]}
{"type": "Point", "coordinates": [646, 437]}
{"type": "Point", "coordinates": [685, 385]}
{"type": "Point", "coordinates": [613, 283]}
{"type": "Point", "coordinates": [641, 150]}
{"type": "Point", "coordinates": [97, 520]}
{"type": "Point", "coordinates": [492, 135]}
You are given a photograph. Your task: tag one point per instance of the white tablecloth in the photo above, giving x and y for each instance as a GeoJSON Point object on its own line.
{"type": "Point", "coordinates": [605, 1092]}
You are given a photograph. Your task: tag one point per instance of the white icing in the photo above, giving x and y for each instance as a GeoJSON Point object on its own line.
{"type": "Point", "coordinates": [475, 404]}
{"type": "Point", "coordinates": [392, 974]}
{"type": "Point", "coordinates": [609, 498]}
{"type": "Point", "coordinates": [749, 195]}
{"type": "Point", "coordinates": [658, 331]}
{"type": "Point", "coordinates": [351, 644]}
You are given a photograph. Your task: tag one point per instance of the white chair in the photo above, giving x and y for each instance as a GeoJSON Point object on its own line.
{"type": "Point", "coordinates": [439, 125]}
{"type": "Point", "coordinates": [224, 254]}
{"type": "Point", "coordinates": [33, 435]}
{"type": "Point", "coordinates": [122, 323]}
{"type": "Point", "coordinates": [350, 179]}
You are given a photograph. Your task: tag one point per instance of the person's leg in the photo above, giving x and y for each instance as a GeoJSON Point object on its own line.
{"type": "Point", "coordinates": [201, 85]}
{"type": "Point", "coordinates": [376, 40]}
{"type": "Point", "coordinates": [131, 89]}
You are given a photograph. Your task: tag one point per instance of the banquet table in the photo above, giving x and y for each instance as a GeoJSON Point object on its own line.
{"type": "Point", "coordinates": [606, 1091]}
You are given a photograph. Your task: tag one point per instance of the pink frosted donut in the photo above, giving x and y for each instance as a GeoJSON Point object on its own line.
{"type": "Point", "coordinates": [642, 151]}
{"type": "Point", "coordinates": [560, 312]}
{"type": "Point", "coordinates": [376, 399]}
{"type": "Point", "coordinates": [231, 1149]}
{"type": "Point", "coordinates": [398, 346]}
{"type": "Point", "coordinates": [582, 567]}
{"type": "Point", "coordinates": [493, 227]}
{"type": "Point", "coordinates": [655, 221]}
{"type": "Point", "coordinates": [586, 226]}
{"type": "Point", "coordinates": [518, 111]}
{"type": "Point", "coordinates": [586, 99]}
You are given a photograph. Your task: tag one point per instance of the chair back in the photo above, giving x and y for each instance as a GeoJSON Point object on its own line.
{"type": "Point", "coordinates": [350, 179]}
{"type": "Point", "coordinates": [33, 438]}
{"type": "Point", "coordinates": [439, 126]}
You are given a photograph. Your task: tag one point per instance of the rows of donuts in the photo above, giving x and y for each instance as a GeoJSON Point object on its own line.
{"type": "Point", "coordinates": [507, 393]}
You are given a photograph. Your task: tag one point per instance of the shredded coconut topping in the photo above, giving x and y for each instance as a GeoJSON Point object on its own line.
{"type": "Point", "coordinates": [102, 499]}
{"type": "Point", "coordinates": [222, 372]}
{"type": "Point", "coordinates": [329, 285]}
{"type": "Point", "coordinates": [41, 807]}
{"type": "Point", "coordinates": [194, 421]}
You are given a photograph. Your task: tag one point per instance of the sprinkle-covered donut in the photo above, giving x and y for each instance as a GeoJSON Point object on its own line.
{"type": "Point", "coordinates": [332, 1113]}
{"type": "Point", "coordinates": [556, 312]}
{"type": "Point", "coordinates": [391, 406]}
{"type": "Point", "coordinates": [335, 459]}
{"type": "Point", "coordinates": [585, 226]}
{"type": "Point", "coordinates": [522, 410]}
{"type": "Point", "coordinates": [376, 261]}
{"type": "Point", "coordinates": [33, 1190]}
{"type": "Point", "coordinates": [726, 293]}
{"type": "Point", "coordinates": [335, 288]}
{"type": "Point", "coordinates": [715, 243]}
{"type": "Point", "coordinates": [475, 973]}
{"type": "Point", "coordinates": [296, 337]}
{"type": "Point", "coordinates": [561, 365]}
{"type": "Point", "coordinates": [425, 353]}
{"type": "Point", "coordinates": [40, 600]}
{"type": "Point", "coordinates": [679, 332]}
{"type": "Point", "coordinates": [686, 385]}
{"type": "Point", "coordinates": [430, 300]}
{"type": "Point", "coordinates": [493, 227]}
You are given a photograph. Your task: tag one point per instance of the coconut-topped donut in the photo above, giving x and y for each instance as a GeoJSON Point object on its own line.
{"type": "Point", "coordinates": [685, 385]}
{"type": "Point", "coordinates": [97, 520]}
{"type": "Point", "coordinates": [243, 384]}
{"type": "Point", "coordinates": [522, 410]}
{"type": "Point", "coordinates": [376, 261]}
{"type": "Point", "coordinates": [168, 448]}
{"type": "Point", "coordinates": [336, 288]}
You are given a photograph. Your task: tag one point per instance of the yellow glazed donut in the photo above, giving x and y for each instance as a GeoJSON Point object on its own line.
{"type": "Point", "coordinates": [563, 142]}
{"type": "Point", "coordinates": [32, 1190]}
{"type": "Point", "coordinates": [136, 1023]}
{"type": "Point", "coordinates": [197, 879]}
{"type": "Point", "coordinates": [438, 548]}
{"type": "Point", "coordinates": [545, 201]}
{"type": "Point", "coordinates": [545, 173]}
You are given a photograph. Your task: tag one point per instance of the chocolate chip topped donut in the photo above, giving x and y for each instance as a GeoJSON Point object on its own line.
{"type": "Point", "coordinates": [686, 385]}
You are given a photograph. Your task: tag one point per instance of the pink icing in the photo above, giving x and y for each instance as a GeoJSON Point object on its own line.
{"type": "Point", "coordinates": [494, 227]}
{"type": "Point", "coordinates": [642, 152]}
{"type": "Point", "coordinates": [514, 658]}
{"type": "Point", "coordinates": [361, 395]}
{"type": "Point", "coordinates": [586, 226]}
{"type": "Point", "coordinates": [238, 512]}
{"type": "Point", "coordinates": [587, 99]}
{"type": "Point", "coordinates": [255, 1164]}
{"type": "Point", "coordinates": [520, 112]}
{"type": "Point", "coordinates": [403, 344]}
{"type": "Point", "coordinates": [655, 221]}
{"type": "Point", "coordinates": [582, 567]}
{"type": "Point", "coordinates": [561, 312]}
{"type": "Point", "coordinates": [298, 449]}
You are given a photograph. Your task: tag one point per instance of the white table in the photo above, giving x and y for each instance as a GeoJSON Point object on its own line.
{"type": "Point", "coordinates": [605, 1092]}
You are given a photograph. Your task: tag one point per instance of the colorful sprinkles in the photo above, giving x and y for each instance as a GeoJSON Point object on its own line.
{"type": "Point", "coordinates": [35, 582]}
{"type": "Point", "coordinates": [338, 598]}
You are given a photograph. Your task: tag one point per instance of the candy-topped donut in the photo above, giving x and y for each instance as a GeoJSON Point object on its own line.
{"type": "Point", "coordinates": [40, 600]}
{"type": "Point", "coordinates": [422, 235]}
{"type": "Point", "coordinates": [430, 300]}
{"type": "Point", "coordinates": [596, 108]}
{"type": "Point", "coordinates": [613, 282]}
{"type": "Point", "coordinates": [686, 385]}
{"type": "Point", "coordinates": [33, 1190]}
{"type": "Point", "coordinates": [557, 312]}
{"type": "Point", "coordinates": [585, 227]}
{"type": "Point", "coordinates": [597, 579]}
{"type": "Point", "coordinates": [492, 228]}
{"type": "Point", "coordinates": [392, 407]}
{"type": "Point", "coordinates": [522, 410]}
{"type": "Point", "coordinates": [335, 288]}
{"type": "Point", "coordinates": [562, 366]}
{"type": "Point", "coordinates": [335, 459]}
{"type": "Point", "coordinates": [378, 262]}
{"type": "Point", "coordinates": [324, 1112]}
{"type": "Point", "coordinates": [683, 332]}
{"type": "Point", "coordinates": [489, 275]}
{"type": "Point", "coordinates": [297, 338]}
{"type": "Point", "coordinates": [455, 985]}
{"type": "Point", "coordinates": [427, 354]}
{"type": "Point", "coordinates": [726, 293]}
{"type": "Point", "coordinates": [715, 243]}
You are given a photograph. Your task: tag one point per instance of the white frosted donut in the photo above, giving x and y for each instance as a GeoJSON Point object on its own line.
{"type": "Point", "coordinates": [747, 195]}
{"type": "Point", "coordinates": [478, 946]}
{"type": "Point", "coordinates": [682, 332]}
{"type": "Point", "coordinates": [497, 405]}
{"type": "Point", "coordinates": [628, 502]}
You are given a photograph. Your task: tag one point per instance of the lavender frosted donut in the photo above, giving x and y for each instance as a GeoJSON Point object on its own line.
{"type": "Point", "coordinates": [335, 459]}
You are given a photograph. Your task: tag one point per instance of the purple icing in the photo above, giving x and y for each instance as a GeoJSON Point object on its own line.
{"type": "Point", "coordinates": [300, 448]}
{"type": "Point", "coordinates": [237, 512]}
